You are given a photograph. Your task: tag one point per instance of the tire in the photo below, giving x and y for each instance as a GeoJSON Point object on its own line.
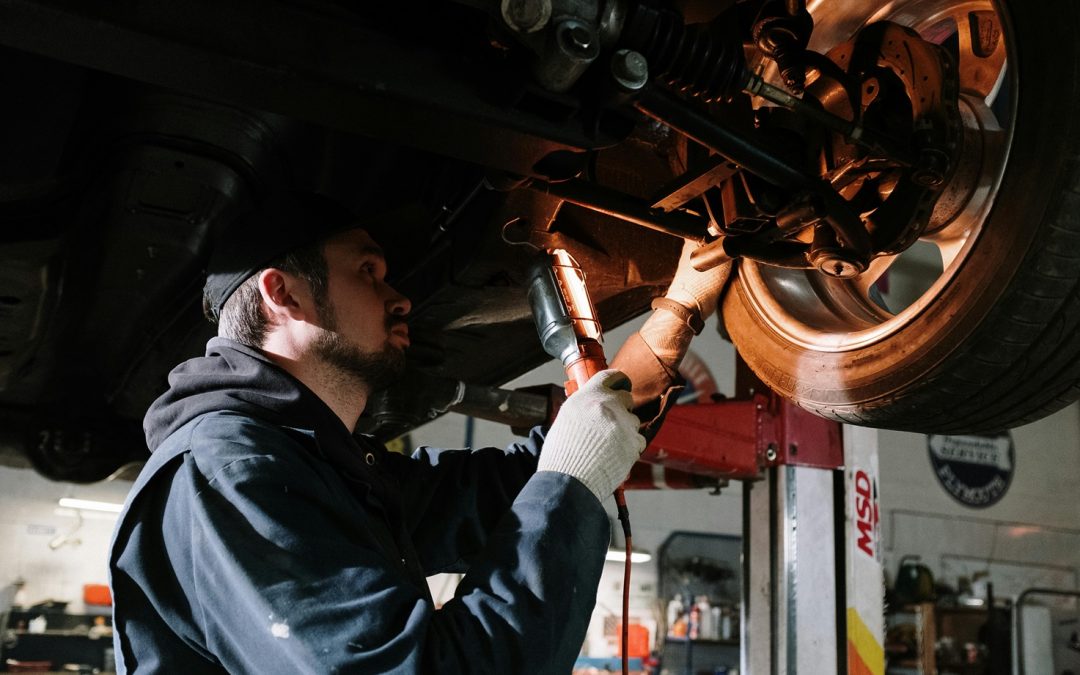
{"type": "Point", "coordinates": [994, 342]}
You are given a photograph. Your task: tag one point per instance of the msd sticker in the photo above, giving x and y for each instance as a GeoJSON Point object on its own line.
{"type": "Point", "coordinates": [865, 579]}
{"type": "Point", "coordinates": [867, 518]}
{"type": "Point", "coordinates": [975, 470]}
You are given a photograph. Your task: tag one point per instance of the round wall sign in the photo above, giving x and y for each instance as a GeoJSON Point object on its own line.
{"type": "Point", "coordinates": [975, 470]}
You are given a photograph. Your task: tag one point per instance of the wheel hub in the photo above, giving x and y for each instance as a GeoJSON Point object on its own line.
{"type": "Point", "coordinates": [832, 313]}
{"type": "Point", "coordinates": [889, 79]}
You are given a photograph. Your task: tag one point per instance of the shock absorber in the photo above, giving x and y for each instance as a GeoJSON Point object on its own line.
{"type": "Point", "coordinates": [704, 61]}
{"type": "Point", "coordinates": [707, 60]}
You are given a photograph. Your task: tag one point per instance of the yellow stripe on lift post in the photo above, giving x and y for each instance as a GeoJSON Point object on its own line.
{"type": "Point", "coordinates": [865, 655]}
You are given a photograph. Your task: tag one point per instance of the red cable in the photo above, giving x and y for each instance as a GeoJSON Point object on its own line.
{"type": "Point", "coordinates": [624, 518]}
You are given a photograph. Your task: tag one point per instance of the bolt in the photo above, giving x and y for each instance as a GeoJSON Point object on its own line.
{"type": "Point", "coordinates": [837, 267]}
{"type": "Point", "coordinates": [630, 69]}
{"type": "Point", "coordinates": [837, 263]}
{"type": "Point", "coordinates": [792, 69]}
{"type": "Point", "coordinates": [526, 16]}
{"type": "Point", "coordinates": [841, 269]}
{"type": "Point", "coordinates": [770, 453]}
{"type": "Point", "coordinates": [930, 172]}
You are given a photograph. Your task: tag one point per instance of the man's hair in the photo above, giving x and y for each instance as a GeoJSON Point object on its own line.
{"type": "Point", "coordinates": [243, 317]}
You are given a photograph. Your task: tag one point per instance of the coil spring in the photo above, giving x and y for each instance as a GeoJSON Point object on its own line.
{"type": "Point", "coordinates": [690, 59]}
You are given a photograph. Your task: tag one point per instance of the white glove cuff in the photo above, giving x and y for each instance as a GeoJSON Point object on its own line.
{"type": "Point", "coordinates": [668, 336]}
{"type": "Point", "coordinates": [595, 436]}
{"type": "Point", "coordinates": [587, 464]}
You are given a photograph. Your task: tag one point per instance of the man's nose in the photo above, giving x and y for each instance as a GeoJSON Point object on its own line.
{"type": "Point", "coordinates": [397, 304]}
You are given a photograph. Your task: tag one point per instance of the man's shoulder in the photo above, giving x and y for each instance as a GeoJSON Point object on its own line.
{"type": "Point", "coordinates": [236, 428]}
{"type": "Point", "coordinates": [222, 439]}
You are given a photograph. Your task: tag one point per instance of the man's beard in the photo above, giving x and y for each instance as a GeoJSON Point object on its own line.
{"type": "Point", "coordinates": [377, 369]}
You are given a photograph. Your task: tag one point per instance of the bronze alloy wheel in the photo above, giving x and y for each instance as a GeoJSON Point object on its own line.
{"type": "Point", "coordinates": [977, 329]}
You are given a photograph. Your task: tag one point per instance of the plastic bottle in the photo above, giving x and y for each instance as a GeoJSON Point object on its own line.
{"type": "Point", "coordinates": [679, 629]}
{"type": "Point", "coordinates": [706, 630]}
{"type": "Point", "coordinates": [694, 629]}
{"type": "Point", "coordinates": [674, 611]}
{"type": "Point", "coordinates": [716, 622]}
{"type": "Point", "coordinates": [725, 624]}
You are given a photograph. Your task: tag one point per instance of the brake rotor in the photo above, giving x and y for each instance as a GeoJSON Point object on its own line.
{"type": "Point", "coordinates": [907, 90]}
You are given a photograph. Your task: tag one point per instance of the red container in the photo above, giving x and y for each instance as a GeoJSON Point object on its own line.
{"type": "Point", "coordinates": [97, 594]}
{"type": "Point", "coordinates": [637, 641]}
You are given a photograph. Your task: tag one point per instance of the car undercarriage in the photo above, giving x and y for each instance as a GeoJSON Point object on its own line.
{"type": "Point", "coordinates": [810, 144]}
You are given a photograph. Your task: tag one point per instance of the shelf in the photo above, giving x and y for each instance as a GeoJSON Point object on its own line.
{"type": "Point", "coordinates": [960, 623]}
{"type": "Point", "coordinates": [49, 632]}
{"type": "Point", "coordinates": [699, 641]}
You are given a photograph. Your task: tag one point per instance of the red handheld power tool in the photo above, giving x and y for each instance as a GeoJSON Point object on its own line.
{"type": "Point", "coordinates": [565, 318]}
{"type": "Point", "coordinates": [569, 331]}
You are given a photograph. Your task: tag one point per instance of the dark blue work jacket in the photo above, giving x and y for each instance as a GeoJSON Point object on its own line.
{"type": "Point", "coordinates": [263, 538]}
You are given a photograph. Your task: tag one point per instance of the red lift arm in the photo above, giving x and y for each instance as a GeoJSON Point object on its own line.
{"type": "Point", "coordinates": [735, 439]}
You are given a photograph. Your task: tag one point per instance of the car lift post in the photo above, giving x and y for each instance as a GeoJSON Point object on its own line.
{"type": "Point", "coordinates": [812, 578]}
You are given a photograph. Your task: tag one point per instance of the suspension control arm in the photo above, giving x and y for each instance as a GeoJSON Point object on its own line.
{"type": "Point", "coordinates": [748, 152]}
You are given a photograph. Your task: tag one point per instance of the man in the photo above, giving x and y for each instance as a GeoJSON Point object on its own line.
{"type": "Point", "coordinates": [263, 536]}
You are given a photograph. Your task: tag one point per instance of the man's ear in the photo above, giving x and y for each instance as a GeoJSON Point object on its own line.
{"type": "Point", "coordinates": [285, 295]}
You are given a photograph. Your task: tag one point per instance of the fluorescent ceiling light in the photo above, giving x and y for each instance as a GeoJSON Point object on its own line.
{"type": "Point", "coordinates": [90, 505]}
{"type": "Point", "coordinates": [620, 556]}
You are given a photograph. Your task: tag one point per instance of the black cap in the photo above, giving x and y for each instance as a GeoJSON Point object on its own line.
{"type": "Point", "coordinates": [283, 223]}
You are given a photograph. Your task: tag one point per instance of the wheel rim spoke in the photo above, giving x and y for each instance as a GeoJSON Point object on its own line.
{"type": "Point", "coordinates": [874, 271]}
{"type": "Point", "coordinates": [949, 246]}
{"type": "Point", "coordinates": [982, 50]}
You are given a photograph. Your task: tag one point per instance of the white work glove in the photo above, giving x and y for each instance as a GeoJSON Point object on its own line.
{"type": "Point", "coordinates": [697, 289]}
{"type": "Point", "coordinates": [595, 436]}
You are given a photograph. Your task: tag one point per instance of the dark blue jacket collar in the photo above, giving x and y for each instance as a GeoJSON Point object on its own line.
{"type": "Point", "coordinates": [235, 377]}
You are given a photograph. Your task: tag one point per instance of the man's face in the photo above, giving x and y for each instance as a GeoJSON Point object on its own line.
{"type": "Point", "coordinates": [366, 334]}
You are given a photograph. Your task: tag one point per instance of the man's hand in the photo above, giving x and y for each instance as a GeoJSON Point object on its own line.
{"type": "Point", "coordinates": [697, 290]}
{"type": "Point", "coordinates": [652, 355]}
{"type": "Point", "coordinates": [595, 436]}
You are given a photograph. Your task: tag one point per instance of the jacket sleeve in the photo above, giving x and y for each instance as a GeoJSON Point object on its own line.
{"type": "Point", "coordinates": [453, 499]}
{"type": "Point", "coordinates": [286, 582]}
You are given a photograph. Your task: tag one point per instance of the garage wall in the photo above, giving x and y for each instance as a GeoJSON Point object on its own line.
{"type": "Point", "coordinates": [1031, 536]}
{"type": "Point", "coordinates": [30, 519]}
